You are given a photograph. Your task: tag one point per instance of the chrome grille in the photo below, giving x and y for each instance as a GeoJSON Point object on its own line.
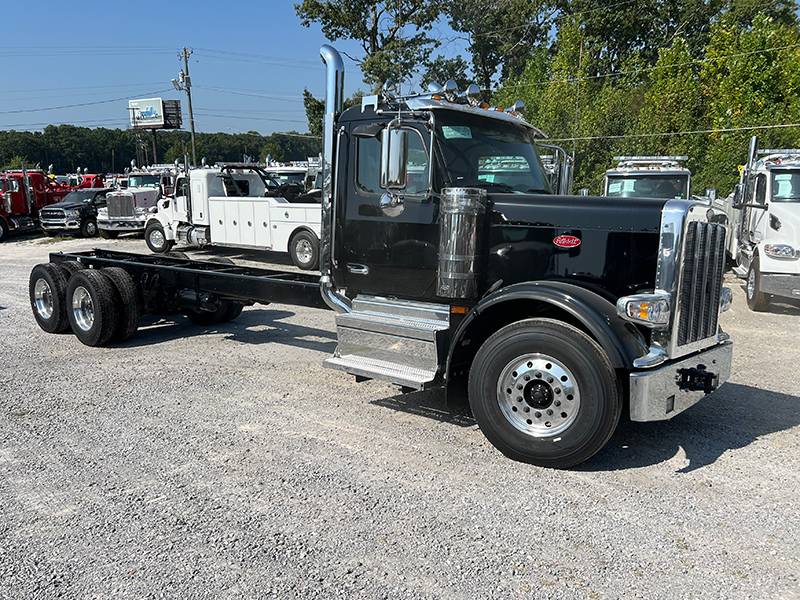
{"type": "Point", "coordinates": [701, 282]}
{"type": "Point", "coordinates": [120, 206]}
{"type": "Point", "coordinates": [51, 213]}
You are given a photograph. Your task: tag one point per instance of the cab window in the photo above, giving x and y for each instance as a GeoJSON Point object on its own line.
{"type": "Point", "coordinates": [761, 189]}
{"type": "Point", "coordinates": [368, 164]}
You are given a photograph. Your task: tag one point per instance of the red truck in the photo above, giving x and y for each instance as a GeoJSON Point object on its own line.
{"type": "Point", "coordinates": [22, 194]}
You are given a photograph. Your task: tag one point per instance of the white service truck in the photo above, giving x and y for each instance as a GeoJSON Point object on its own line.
{"type": "Point", "coordinates": [238, 205]}
{"type": "Point", "coordinates": [649, 177]}
{"type": "Point", "coordinates": [764, 233]}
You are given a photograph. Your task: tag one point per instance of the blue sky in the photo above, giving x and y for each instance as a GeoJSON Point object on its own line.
{"type": "Point", "coordinates": [248, 69]}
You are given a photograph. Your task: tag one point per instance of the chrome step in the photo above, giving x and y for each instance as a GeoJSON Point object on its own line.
{"type": "Point", "coordinates": [383, 370]}
{"type": "Point", "coordinates": [393, 340]}
{"type": "Point", "coordinates": [740, 271]}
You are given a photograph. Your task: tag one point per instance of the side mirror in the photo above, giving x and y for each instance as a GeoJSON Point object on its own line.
{"type": "Point", "coordinates": [711, 194]}
{"type": "Point", "coordinates": [583, 192]}
{"type": "Point", "coordinates": [394, 158]}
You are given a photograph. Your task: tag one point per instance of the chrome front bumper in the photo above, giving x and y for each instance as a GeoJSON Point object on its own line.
{"type": "Point", "coordinates": [660, 394]}
{"type": "Point", "coordinates": [127, 225]}
{"type": "Point", "coordinates": [59, 225]}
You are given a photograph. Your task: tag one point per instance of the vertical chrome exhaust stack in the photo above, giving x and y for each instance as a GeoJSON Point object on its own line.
{"type": "Point", "coordinates": [334, 99]}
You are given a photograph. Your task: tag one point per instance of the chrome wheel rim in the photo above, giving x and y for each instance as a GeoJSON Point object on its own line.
{"type": "Point", "coordinates": [751, 283]}
{"type": "Point", "coordinates": [82, 308]}
{"type": "Point", "coordinates": [538, 395]}
{"type": "Point", "coordinates": [304, 251]}
{"type": "Point", "coordinates": [157, 238]}
{"type": "Point", "coordinates": [43, 298]}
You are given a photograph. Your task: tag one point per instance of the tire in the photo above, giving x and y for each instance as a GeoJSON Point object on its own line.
{"type": "Point", "coordinates": [68, 267]}
{"type": "Point", "coordinates": [757, 300]}
{"type": "Point", "coordinates": [89, 228]}
{"type": "Point", "coordinates": [47, 289]}
{"type": "Point", "coordinates": [304, 250]}
{"type": "Point", "coordinates": [3, 230]}
{"type": "Point", "coordinates": [107, 234]}
{"type": "Point", "coordinates": [559, 368]}
{"type": "Point", "coordinates": [131, 303]}
{"type": "Point", "coordinates": [92, 302]}
{"type": "Point", "coordinates": [156, 239]}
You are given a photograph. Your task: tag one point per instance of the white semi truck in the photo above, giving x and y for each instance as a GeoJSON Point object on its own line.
{"type": "Point", "coordinates": [764, 233]}
{"type": "Point", "coordinates": [238, 205]}
{"type": "Point", "coordinates": [128, 209]}
{"type": "Point", "coordinates": [649, 177]}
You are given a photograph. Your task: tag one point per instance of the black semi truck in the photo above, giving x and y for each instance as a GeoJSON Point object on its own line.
{"type": "Point", "coordinates": [449, 263]}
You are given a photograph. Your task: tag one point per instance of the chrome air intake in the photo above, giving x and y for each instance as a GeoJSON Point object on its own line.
{"type": "Point", "coordinates": [334, 96]}
{"type": "Point", "coordinates": [461, 214]}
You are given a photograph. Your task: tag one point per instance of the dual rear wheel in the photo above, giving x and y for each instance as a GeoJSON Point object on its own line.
{"type": "Point", "coordinates": [99, 305]}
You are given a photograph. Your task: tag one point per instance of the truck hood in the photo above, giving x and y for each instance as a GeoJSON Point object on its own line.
{"type": "Point", "coordinates": [71, 205]}
{"type": "Point", "coordinates": [578, 212]}
{"type": "Point", "coordinates": [609, 245]}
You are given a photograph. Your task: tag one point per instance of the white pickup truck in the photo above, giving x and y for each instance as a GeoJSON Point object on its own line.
{"type": "Point", "coordinates": [238, 205]}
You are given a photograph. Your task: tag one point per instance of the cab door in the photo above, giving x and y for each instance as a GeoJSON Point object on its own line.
{"type": "Point", "coordinates": [379, 249]}
{"type": "Point", "coordinates": [754, 212]}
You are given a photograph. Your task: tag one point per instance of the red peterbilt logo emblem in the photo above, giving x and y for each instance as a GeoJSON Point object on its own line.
{"type": "Point", "coordinates": [567, 241]}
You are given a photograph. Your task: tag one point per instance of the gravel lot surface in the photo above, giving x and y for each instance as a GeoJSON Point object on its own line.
{"type": "Point", "coordinates": [228, 463]}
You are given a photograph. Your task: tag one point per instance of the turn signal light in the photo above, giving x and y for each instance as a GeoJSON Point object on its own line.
{"type": "Point", "coordinates": [651, 310]}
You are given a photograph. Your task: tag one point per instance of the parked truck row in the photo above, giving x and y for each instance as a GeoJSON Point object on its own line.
{"type": "Point", "coordinates": [448, 262]}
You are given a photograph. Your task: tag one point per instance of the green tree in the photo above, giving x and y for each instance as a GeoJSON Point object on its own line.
{"type": "Point", "coordinates": [393, 34]}
{"type": "Point", "coordinates": [440, 69]}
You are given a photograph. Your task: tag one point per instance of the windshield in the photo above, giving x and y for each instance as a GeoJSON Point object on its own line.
{"type": "Point", "coordinates": [647, 186]}
{"type": "Point", "coordinates": [78, 197]}
{"type": "Point", "coordinates": [481, 152]}
{"type": "Point", "coordinates": [786, 186]}
{"type": "Point", "coordinates": [283, 178]}
{"type": "Point", "coordinates": [144, 181]}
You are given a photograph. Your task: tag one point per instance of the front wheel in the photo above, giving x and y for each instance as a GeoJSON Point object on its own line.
{"type": "Point", "coordinates": [304, 250]}
{"type": "Point", "coordinates": [156, 239]}
{"type": "Point", "coordinates": [756, 299]}
{"type": "Point", "coordinates": [89, 228]}
{"type": "Point", "coordinates": [3, 230]}
{"type": "Point", "coordinates": [545, 393]}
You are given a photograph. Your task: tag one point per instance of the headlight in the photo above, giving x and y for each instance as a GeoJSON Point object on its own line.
{"type": "Point", "coordinates": [140, 211]}
{"type": "Point", "coordinates": [651, 310]}
{"type": "Point", "coordinates": [72, 214]}
{"type": "Point", "coordinates": [780, 251]}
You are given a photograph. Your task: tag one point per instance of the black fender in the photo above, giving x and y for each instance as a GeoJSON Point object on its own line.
{"type": "Point", "coordinates": [621, 340]}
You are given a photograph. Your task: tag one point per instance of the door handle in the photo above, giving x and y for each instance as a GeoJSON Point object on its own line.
{"type": "Point", "coordinates": [358, 269]}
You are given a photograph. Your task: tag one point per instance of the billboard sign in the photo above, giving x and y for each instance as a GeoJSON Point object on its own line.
{"type": "Point", "coordinates": [155, 113]}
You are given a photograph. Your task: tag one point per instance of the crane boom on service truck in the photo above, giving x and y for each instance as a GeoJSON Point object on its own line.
{"type": "Point", "coordinates": [444, 267]}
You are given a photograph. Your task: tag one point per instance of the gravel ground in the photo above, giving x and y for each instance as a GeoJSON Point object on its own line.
{"type": "Point", "coordinates": [228, 463]}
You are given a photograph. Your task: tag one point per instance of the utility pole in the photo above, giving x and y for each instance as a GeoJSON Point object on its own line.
{"type": "Point", "coordinates": [184, 83]}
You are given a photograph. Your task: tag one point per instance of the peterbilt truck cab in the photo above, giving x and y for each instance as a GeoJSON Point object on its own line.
{"type": "Point", "coordinates": [449, 263]}
{"type": "Point", "coordinates": [128, 209]}
{"type": "Point", "coordinates": [764, 212]}
{"type": "Point", "coordinates": [648, 177]}
{"type": "Point", "coordinates": [240, 205]}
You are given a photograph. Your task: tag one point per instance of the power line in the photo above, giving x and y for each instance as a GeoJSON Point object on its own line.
{"type": "Point", "coordinates": [249, 118]}
{"type": "Point", "coordinates": [674, 133]}
{"type": "Point", "coordinates": [48, 108]}
{"type": "Point", "coordinates": [251, 94]}
{"type": "Point", "coordinates": [654, 67]}
{"type": "Point", "coordinates": [46, 123]}
{"type": "Point", "coordinates": [281, 59]}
